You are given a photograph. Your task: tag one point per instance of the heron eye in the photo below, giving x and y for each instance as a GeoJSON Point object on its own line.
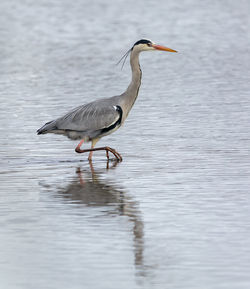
{"type": "Point", "coordinates": [149, 44]}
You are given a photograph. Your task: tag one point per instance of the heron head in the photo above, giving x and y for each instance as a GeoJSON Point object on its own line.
{"type": "Point", "coordinates": [146, 45]}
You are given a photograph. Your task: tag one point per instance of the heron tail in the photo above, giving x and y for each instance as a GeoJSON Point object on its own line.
{"type": "Point", "coordinates": [49, 126]}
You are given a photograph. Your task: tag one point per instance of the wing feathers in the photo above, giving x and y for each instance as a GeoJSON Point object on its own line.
{"type": "Point", "coordinates": [90, 117]}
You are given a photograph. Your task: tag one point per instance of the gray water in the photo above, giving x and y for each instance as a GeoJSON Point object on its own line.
{"type": "Point", "coordinates": [175, 213]}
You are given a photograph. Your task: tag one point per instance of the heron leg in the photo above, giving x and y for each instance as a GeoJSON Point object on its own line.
{"type": "Point", "coordinates": [107, 154]}
{"type": "Point", "coordinates": [94, 141]}
{"type": "Point", "coordinates": [107, 149]}
{"type": "Point", "coordinates": [78, 148]}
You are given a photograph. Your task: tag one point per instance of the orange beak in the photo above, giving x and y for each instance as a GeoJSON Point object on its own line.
{"type": "Point", "coordinates": [163, 48]}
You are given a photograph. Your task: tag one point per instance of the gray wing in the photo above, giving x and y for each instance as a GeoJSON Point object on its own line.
{"type": "Point", "coordinates": [90, 117]}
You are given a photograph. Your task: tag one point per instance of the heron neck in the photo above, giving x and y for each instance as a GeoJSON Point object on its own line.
{"type": "Point", "coordinates": [133, 88]}
{"type": "Point", "coordinates": [136, 72]}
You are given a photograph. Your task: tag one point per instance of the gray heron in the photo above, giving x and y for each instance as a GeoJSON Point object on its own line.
{"type": "Point", "coordinates": [99, 118]}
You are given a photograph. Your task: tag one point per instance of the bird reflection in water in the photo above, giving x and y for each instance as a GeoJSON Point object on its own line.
{"type": "Point", "coordinates": [90, 189]}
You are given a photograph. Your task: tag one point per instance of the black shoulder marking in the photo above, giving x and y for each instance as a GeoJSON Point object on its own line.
{"type": "Point", "coordinates": [118, 122]}
{"type": "Point", "coordinates": [119, 109]}
{"type": "Point", "coordinates": [143, 41]}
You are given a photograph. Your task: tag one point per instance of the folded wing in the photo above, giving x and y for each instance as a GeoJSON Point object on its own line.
{"type": "Point", "coordinates": [90, 117]}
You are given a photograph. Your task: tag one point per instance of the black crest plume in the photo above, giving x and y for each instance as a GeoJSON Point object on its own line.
{"type": "Point", "coordinates": [124, 57]}
{"type": "Point", "coordinates": [143, 41]}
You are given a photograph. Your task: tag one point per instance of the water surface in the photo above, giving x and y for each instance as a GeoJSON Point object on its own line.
{"type": "Point", "coordinates": [175, 212]}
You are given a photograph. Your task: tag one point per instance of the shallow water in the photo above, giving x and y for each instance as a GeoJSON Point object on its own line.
{"type": "Point", "coordinates": [175, 212]}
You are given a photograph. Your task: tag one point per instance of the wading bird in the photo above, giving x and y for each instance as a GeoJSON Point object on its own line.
{"type": "Point", "coordinates": [99, 118]}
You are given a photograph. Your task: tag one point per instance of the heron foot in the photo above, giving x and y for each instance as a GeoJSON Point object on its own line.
{"type": "Point", "coordinates": [114, 152]}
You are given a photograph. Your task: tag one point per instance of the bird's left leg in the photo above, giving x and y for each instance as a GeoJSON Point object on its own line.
{"type": "Point", "coordinates": [78, 148]}
{"type": "Point", "coordinates": [92, 149]}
